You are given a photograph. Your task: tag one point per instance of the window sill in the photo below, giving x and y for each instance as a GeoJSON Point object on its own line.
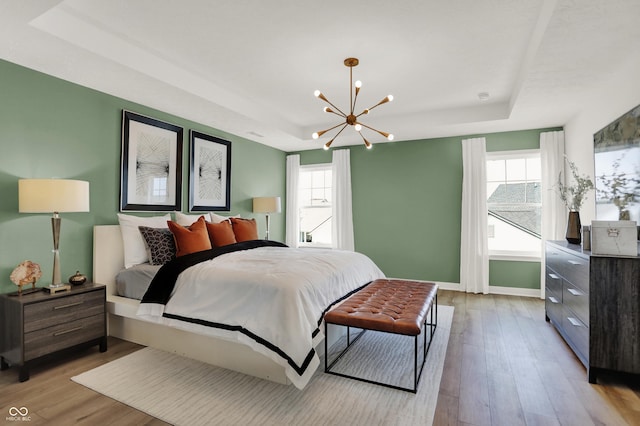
{"type": "Point", "coordinates": [516, 257]}
{"type": "Point", "coordinates": [312, 245]}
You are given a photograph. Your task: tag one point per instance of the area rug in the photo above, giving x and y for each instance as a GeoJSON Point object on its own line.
{"type": "Point", "coordinates": [182, 391]}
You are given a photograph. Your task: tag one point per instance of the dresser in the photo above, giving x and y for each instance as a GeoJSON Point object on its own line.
{"type": "Point", "coordinates": [594, 303]}
{"type": "Point", "coordinates": [39, 324]}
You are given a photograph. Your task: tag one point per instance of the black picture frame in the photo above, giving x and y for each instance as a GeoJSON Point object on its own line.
{"type": "Point", "coordinates": [209, 173]}
{"type": "Point", "coordinates": [150, 164]}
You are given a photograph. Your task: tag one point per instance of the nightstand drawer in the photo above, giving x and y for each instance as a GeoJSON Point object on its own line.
{"type": "Point", "coordinates": [62, 310]}
{"type": "Point", "coordinates": [60, 336]}
{"type": "Point", "coordinates": [553, 282]}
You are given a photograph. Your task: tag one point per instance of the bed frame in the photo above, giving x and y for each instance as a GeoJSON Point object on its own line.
{"type": "Point", "coordinates": [108, 260]}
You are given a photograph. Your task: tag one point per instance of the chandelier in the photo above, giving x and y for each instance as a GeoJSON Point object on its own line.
{"type": "Point", "coordinates": [351, 119]}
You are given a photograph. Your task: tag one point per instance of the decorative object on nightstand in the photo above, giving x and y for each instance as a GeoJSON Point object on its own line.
{"type": "Point", "coordinates": [26, 272]}
{"type": "Point", "coordinates": [267, 205]}
{"type": "Point", "coordinates": [573, 196]}
{"type": "Point", "coordinates": [53, 196]}
{"type": "Point", "coordinates": [40, 324]}
{"type": "Point", "coordinates": [77, 279]}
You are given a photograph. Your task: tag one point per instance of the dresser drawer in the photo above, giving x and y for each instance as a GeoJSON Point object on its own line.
{"type": "Point", "coordinates": [572, 268]}
{"type": "Point", "coordinates": [553, 283]}
{"type": "Point", "coordinates": [577, 301]}
{"type": "Point", "coordinates": [553, 308]}
{"type": "Point", "coordinates": [63, 309]}
{"type": "Point", "coordinates": [61, 336]}
{"type": "Point", "coordinates": [577, 332]}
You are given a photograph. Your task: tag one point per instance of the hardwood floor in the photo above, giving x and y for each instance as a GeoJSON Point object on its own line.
{"type": "Point", "coordinates": [504, 366]}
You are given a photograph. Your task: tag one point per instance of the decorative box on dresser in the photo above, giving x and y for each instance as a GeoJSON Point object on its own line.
{"type": "Point", "coordinates": [594, 303]}
{"type": "Point", "coordinates": [39, 324]}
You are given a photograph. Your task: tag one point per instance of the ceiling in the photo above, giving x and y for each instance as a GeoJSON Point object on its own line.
{"type": "Point", "coordinates": [250, 67]}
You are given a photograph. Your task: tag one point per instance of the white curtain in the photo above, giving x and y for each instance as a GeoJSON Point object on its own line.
{"type": "Point", "coordinates": [342, 223]}
{"type": "Point", "coordinates": [292, 211]}
{"type": "Point", "coordinates": [474, 250]}
{"type": "Point", "coordinates": [554, 212]}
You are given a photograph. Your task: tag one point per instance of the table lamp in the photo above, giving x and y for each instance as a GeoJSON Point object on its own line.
{"type": "Point", "coordinates": [53, 196]}
{"type": "Point", "coordinates": [266, 205]}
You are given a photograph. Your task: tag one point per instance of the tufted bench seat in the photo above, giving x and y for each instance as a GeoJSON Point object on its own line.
{"type": "Point", "coordinates": [392, 306]}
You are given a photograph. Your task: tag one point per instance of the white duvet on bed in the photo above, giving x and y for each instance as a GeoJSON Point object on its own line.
{"type": "Point", "coordinates": [276, 293]}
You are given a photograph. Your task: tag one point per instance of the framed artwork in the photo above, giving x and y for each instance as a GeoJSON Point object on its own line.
{"type": "Point", "coordinates": [617, 168]}
{"type": "Point", "coordinates": [151, 164]}
{"type": "Point", "coordinates": [209, 173]}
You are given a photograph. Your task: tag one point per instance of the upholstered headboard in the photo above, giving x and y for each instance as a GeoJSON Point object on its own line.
{"type": "Point", "coordinates": [108, 255]}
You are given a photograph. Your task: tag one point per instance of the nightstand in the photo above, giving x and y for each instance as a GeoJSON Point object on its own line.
{"type": "Point", "coordinates": [40, 324]}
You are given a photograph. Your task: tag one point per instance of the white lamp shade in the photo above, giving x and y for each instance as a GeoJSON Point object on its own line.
{"type": "Point", "coordinates": [266, 205]}
{"type": "Point", "coordinates": [52, 195]}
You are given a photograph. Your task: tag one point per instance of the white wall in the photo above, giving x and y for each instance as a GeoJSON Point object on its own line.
{"type": "Point", "coordinates": [620, 94]}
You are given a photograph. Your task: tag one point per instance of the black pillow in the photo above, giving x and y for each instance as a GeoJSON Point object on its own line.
{"type": "Point", "coordinates": [161, 246]}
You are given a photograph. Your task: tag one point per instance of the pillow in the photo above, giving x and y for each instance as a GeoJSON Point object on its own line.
{"type": "Point", "coordinates": [135, 251]}
{"type": "Point", "coordinates": [192, 239]}
{"type": "Point", "coordinates": [244, 229]}
{"type": "Point", "coordinates": [221, 234]}
{"type": "Point", "coordinates": [161, 246]}
{"type": "Point", "coordinates": [216, 218]}
{"type": "Point", "coordinates": [188, 219]}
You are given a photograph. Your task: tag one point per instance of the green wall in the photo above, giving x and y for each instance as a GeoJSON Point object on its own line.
{"type": "Point", "coordinates": [53, 128]}
{"type": "Point", "coordinates": [407, 206]}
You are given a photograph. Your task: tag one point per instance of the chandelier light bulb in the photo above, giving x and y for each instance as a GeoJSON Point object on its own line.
{"type": "Point", "coordinates": [358, 127]}
{"type": "Point", "coordinates": [390, 98]}
{"type": "Point", "coordinates": [317, 93]}
{"type": "Point", "coordinates": [315, 135]}
{"type": "Point", "coordinates": [326, 109]}
{"type": "Point", "coordinates": [390, 137]}
{"type": "Point", "coordinates": [358, 84]}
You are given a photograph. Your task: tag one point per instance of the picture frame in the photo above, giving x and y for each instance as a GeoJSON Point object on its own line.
{"type": "Point", "coordinates": [150, 165]}
{"type": "Point", "coordinates": [617, 168]}
{"type": "Point", "coordinates": [209, 173]}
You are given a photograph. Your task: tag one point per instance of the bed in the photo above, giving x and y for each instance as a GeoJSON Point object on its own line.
{"type": "Point", "coordinates": [228, 347]}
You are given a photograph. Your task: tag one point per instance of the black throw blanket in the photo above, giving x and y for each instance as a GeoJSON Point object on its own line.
{"type": "Point", "coordinates": [164, 281]}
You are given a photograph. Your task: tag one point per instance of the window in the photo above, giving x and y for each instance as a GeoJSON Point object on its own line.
{"type": "Point", "coordinates": [514, 203]}
{"type": "Point", "coordinates": [315, 200]}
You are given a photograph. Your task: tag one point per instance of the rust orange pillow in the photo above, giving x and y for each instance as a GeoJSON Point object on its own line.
{"type": "Point", "coordinates": [221, 234]}
{"type": "Point", "coordinates": [190, 239]}
{"type": "Point", "coordinates": [244, 229]}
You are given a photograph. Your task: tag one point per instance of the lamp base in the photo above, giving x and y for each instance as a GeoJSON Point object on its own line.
{"type": "Point", "coordinates": [54, 288]}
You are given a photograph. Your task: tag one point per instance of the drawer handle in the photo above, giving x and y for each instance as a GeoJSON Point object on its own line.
{"type": "Point", "coordinates": [573, 262]}
{"type": "Point", "coordinates": [71, 330]}
{"type": "Point", "coordinates": [70, 305]}
{"type": "Point", "coordinates": [553, 299]}
{"type": "Point", "coordinates": [575, 292]}
{"type": "Point", "coordinates": [574, 322]}
{"type": "Point", "coordinates": [554, 276]}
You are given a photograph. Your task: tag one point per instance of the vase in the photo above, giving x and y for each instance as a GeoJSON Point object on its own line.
{"type": "Point", "coordinates": [574, 235]}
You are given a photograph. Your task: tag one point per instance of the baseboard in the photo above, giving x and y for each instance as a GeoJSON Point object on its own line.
{"type": "Point", "coordinates": [507, 291]}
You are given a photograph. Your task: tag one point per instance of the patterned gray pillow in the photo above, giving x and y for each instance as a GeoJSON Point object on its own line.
{"type": "Point", "coordinates": [161, 246]}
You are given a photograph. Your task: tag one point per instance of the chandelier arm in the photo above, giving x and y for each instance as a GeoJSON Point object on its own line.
{"type": "Point", "coordinates": [328, 144]}
{"type": "Point", "coordinates": [330, 111]}
{"type": "Point", "coordinates": [384, 101]}
{"type": "Point", "coordinates": [385, 134]}
{"type": "Point", "coordinates": [329, 102]}
{"type": "Point", "coordinates": [322, 132]}
{"type": "Point", "coordinates": [366, 142]}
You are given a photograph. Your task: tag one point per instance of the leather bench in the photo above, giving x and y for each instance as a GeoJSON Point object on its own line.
{"type": "Point", "coordinates": [391, 306]}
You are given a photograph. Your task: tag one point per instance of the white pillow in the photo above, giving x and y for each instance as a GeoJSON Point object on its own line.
{"type": "Point", "coordinates": [135, 251]}
{"type": "Point", "coordinates": [216, 218]}
{"type": "Point", "coordinates": [189, 219]}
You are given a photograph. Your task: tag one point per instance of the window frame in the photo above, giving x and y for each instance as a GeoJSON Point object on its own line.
{"type": "Point", "coordinates": [301, 205]}
{"type": "Point", "coordinates": [512, 255]}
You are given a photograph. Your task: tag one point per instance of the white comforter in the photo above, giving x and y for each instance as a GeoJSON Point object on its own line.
{"type": "Point", "coordinates": [277, 294]}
